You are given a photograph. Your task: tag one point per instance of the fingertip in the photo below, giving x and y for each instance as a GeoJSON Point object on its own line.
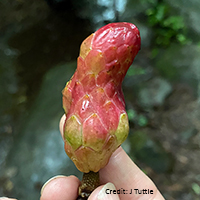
{"type": "Point", "coordinates": [61, 124]}
{"type": "Point", "coordinates": [105, 192]}
{"type": "Point", "coordinates": [94, 194]}
{"type": "Point", "coordinates": [48, 181]}
{"type": "Point", "coordinates": [60, 188]}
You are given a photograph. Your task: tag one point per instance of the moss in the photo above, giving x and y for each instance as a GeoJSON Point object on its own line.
{"type": "Point", "coordinates": [167, 27]}
{"type": "Point", "coordinates": [150, 152]}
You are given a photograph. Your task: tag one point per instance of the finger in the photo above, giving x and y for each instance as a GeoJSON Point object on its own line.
{"type": "Point", "coordinates": [101, 193]}
{"type": "Point", "coordinates": [129, 180]}
{"type": "Point", "coordinates": [61, 125]}
{"type": "Point", "coordinates": [60, 188]}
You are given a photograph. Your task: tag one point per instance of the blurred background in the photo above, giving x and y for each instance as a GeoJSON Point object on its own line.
{"type": "Point", "coordinates": [39, 44]}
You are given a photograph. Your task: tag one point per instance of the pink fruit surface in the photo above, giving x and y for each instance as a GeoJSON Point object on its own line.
{"type": "Point", "coordinates": [96, 121]}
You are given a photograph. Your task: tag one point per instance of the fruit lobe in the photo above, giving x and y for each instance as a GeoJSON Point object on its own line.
{"type": "Point", "coordinates": [96, 121]}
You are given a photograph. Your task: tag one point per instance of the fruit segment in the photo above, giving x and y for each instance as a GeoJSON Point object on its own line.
{"type": "Point", "coordinates": [96, 121]}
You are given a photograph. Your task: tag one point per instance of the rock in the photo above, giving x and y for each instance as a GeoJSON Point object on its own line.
{"type": "Point", "coordinates": [180, 63]}
{"type": "Point", "coordinates": [149, 151]}
{"type": "Point", "coordinates": [38, 152]}
{"type": "Point", "coordinates": [154, 92]}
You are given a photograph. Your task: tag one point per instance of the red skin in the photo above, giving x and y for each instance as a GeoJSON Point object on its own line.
{"type": "Point", "coordinates": [96, 120]}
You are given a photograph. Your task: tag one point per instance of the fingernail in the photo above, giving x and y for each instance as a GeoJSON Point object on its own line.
{"type": "Point", "coordinates": [53, 178]}
{"type": "Point", "coordinates": [108, 192]}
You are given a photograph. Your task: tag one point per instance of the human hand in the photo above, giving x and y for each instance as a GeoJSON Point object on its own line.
{"type": "Point", "coordinates": [120, 175]}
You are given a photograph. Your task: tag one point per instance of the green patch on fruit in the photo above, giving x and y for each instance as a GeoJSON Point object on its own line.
{"type": "Point", "coordinates": [72, 132]}
{"type": "Point", "coordinates": [122, 129]}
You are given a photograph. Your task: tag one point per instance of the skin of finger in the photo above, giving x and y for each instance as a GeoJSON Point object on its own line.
{"type": "Point", "coordinates": [125, 174]}
{"type": "Point", "coordinates": [102, 189]}
{"type": "Point", "coordinates": [94, 196]}
{"type": "Point", "coordinates": [61, 124]}
{"type": "Point", "coordinates": [95, 193]}
{"type": "Point", "coordinates": [62, 188]}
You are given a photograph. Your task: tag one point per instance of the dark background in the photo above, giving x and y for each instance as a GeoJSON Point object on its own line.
{"type": "Point", "coordinates": [39, 44]}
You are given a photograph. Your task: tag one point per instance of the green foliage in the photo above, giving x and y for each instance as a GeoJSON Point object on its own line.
{"type": "Point", "coordinates": [196, 188]}
{"type": "Point", "coordinates": [136, 118]}
{"type": "Point", "coordinates": [170, 72]}
{"type": "Point", "coordinates": [149, 152]}
{"type": "Point", "coordinates": [142, 120]}
{"type": "Point", "coordinates": [131, 114]}
{"type": "Point", "coordinates": [167, 28]}
{"type": "Point", "coordinates": [132, 71]}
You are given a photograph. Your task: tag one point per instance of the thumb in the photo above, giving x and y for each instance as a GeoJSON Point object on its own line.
{"type": "Point", "coordinates": [106, 192]}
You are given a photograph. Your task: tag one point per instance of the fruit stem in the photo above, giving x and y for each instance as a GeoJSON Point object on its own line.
{"type": "Point", "coordinates": [90, 182]}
